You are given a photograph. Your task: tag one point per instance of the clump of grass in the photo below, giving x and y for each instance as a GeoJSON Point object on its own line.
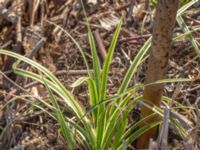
{"type": "Point", "coordinates": [104, 125]}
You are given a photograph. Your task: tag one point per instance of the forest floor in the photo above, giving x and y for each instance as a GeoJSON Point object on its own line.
{"type": "Point", "coordinates": [27, 27]}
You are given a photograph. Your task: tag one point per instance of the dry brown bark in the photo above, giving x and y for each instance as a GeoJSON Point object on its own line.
{"type": "Point", "coordinates": [164, 22]}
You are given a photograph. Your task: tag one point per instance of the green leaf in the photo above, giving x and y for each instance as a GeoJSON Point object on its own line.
{"type": "Point", "coordinates": [93, 100]}
{"type": "Point", "coordinates": [95, 59]}
{"type": "Point", "coordinates": [185, 28]}
{"type": "Point", "coordinates": [76, 43]}
{"type": "Point", "coordinates": [108, 60]}
{"type": "Point", "coordinates": [185, 35]}
{"type": "Point", "coordinates": [79, 81]}
{"type": "Point", "coordinates": [140, 131]}
{"type": "Point", "coordinates": [58, 88]}
{"type": "Point", "coordinates": [132, 69]}
{"type": "Point", "coordinates": [170, 81]}
{"type": "Point", "coordinates": [185, 7]}
{"type": "Point", "coordinates": [118, 137]}
{"type": "Point", "coordinates": [64, 125]}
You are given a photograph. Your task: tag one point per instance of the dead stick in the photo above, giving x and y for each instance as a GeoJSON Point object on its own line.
{"type": "Point", "coordinates": [100, 45]}
{"type": "Point", "coordinates": [134, 38]}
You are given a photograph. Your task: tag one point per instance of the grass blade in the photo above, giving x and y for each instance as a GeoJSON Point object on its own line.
{"type": "Point", "coordinates": [185, 28]}
{"type": "Point", "coordinates": [170, 81]}
{"type": "Point", "coordinates": [76, 43]}
{"type": "Point", "coordinates": [185, 7]}
{"type": "Point", "coordinates": [93, 100]}
{"type": "Point", "coordinates": [132, 69]}
{"type": "Point", "coordinates": [64, 125]}
{"type": "Point", "coordinates": [108, 59]}
{"type": "Point", "coordinates": [79, 81]}
{"type": "Point", "coordinates": [57, 87]}
{"type": "Point", "coordinates": [140, 131]}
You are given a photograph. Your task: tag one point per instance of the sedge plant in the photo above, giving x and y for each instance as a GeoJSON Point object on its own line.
{"type": "Point", "coordinates": [105, 125]}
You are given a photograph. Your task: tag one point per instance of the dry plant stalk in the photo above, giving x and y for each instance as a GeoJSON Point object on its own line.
{"type": "Point", "coordinates": [164, 22]}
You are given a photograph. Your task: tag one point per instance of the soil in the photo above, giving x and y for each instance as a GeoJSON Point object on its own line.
{"type": "Point", "coordinates": [26, 27]}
